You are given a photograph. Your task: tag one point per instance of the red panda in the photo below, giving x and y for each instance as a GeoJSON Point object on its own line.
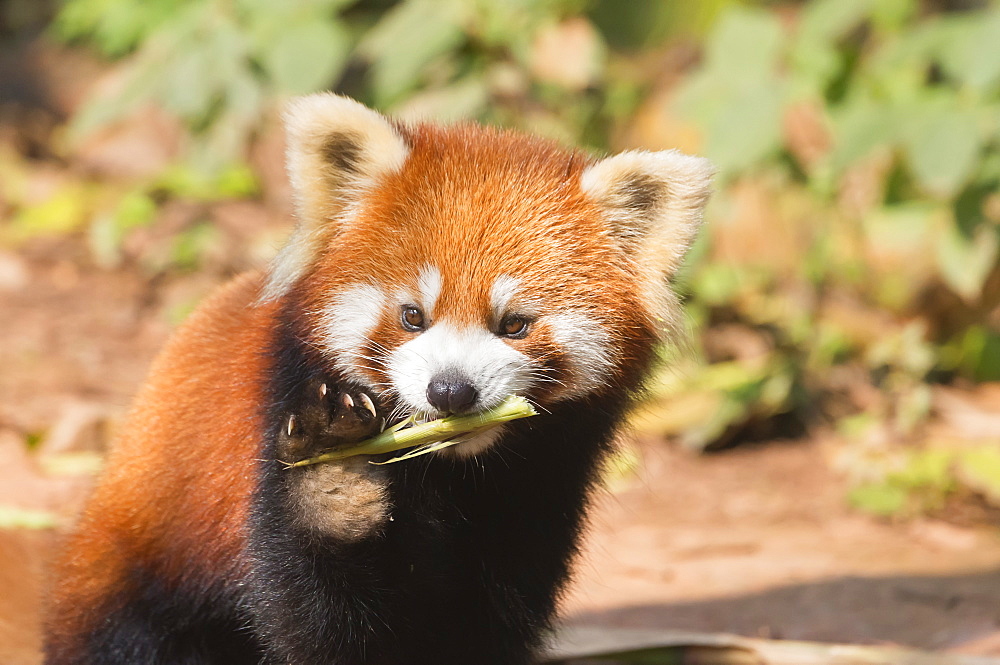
{"type": "Point", "coordinates": [434, 270]}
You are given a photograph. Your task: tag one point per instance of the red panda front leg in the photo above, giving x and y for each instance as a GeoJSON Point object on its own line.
{"type": "Point", "coordinates": [315, 588]}
{"type": "Point", "coordinates": [346, 499]}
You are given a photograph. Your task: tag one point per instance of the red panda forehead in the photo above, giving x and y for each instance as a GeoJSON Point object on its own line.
{"type": "Point", "coordinates": [482, 207]}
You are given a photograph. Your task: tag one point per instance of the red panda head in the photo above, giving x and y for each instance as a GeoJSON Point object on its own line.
{"type": "Point", "coordinates": [448, 267]}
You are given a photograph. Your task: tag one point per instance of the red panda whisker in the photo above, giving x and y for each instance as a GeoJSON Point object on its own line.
{"type": "Point", "coordinates": [545, 375]}
{"type": "Point", "coordinates": [374, 359]}
{"type": "Point", "coordinates": [310, 343]}
{"type": "Point", "coordinates": [378, 347]}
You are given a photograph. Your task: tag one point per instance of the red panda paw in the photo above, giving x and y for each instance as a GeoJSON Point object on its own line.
{"type": "Point", "coordinates": [327, 418]}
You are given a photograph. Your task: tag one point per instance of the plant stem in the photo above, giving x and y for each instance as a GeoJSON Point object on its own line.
{"type": "Point", "coordinates": [435, 431]}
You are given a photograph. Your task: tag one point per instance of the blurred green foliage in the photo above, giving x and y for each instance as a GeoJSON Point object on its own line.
{"type": "Point", "coordinates": [853, 260]}
{"type": "Point", "coordinates": [214, 64]}
{"type": "Point", "coordinates": [878, 124]}
{"type": "Point", "coordinates": [920, 481]}
{"type": "Point", "coordinates": [880, 77]}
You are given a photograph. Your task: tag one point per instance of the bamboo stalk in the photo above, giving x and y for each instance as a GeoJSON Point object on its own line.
{"type": "Point", "coordinates": [433, 432]}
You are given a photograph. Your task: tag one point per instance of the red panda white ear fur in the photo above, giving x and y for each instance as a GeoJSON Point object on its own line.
{"type": "Point", "coordinates": [653, 203]}
{"type": "Point", "coordinates": [336, 149]}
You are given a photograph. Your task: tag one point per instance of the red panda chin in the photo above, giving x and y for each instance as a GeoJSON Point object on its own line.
{"type": "Point", "coordinates": [477, 444]}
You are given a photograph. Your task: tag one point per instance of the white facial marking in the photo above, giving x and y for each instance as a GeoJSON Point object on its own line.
{"type": "Point", "coordinates": [507, 297]}
{"type": "Point", "coordinates": [502, 294]}
{"type": "Point", "coordinates": [495, 369]}
{"type": "Point", "coordinates": [347, 323]}
{"type": "Point", "coordinates": [429, 284]}
{"type": "Point", "coordinates": [479, 443]}
{"type": "Point", "coordinates": [587, 346]}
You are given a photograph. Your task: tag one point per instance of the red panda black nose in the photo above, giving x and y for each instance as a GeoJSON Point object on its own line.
{"type": "Point", "coordinates": [451, 394]}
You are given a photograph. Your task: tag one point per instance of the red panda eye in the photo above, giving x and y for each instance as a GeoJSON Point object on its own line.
{"type": "Point", "coordinates": [412, 319]}
{"type": "Point", "coordinates": [514, 326]}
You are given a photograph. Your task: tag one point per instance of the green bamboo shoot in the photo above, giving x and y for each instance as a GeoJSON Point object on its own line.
{"type": "Point", "coordinates": [434, 435]}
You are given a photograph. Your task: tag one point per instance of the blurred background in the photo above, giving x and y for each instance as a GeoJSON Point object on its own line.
{"type": "Point", "coordinates": [820, 459]}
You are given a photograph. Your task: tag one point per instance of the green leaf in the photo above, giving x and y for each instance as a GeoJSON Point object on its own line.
{"type": "Point", "coordinates": [976, 353]}
{"type": "Point", "coordinates": [63, 213]}
{"type": "Point", "coordinates": [236, 181]}
{"type": "Point", "coordinates": [815, 64]}
{"type": "Point", "coordinates": [745, 46]}
{"type": "Point", "coordinates": [885, 500]}
{"type": "Point", "coordinates": [829, 20]}
{"type": "Point", "coordinates": [733, 377]}
{"type": "Point", "coordinates": [462, 100]}
{"type": "Point", "coordinates": [192, 244]}
{"type": "Point", "coordinates": [711, 428]}
{"type": "Point", "coordinates": [183, 181]}
{"type": "Point", "coordinates": [717, 283]}
{"type": "Point", "coordinates": [942, 145]}
{"type": "Point", "coordinates": [621, 467]}
{"type": "Point", "coordinates": [893, 15]}
{"type": "Point", "coordinates": [408, 38]}
{"type": "Point", "coordinates": [79, 463]}
{"type": "Point", "coordinates": [307, 56]}
{"type": "Point", "coordinates": [927, 470]}
{"type": "Point", "coordinates": [106, 234]}
{"type": "Point", "coordinates": [115, 27]}
{"type": "Point", "coordinates": [965, 261]}
{"type": "Point", "coordinates": [747, 130]}
{"type": "Point", "coordinates": [816, 55]}
{"type": "Point", "coordinates": [979, 469]}
{"type": "Point", "coordinates": [971, 51]}
{"type": "Point", "coordinates": [897, 71]}
{"type": "Point", "coordinates": [738, 96]}
{"type": "Point", "coordinates": [858, 129]}
{"type": "Point", "coordinates": [271, 8]}
{"type": "Point", "coordinates": [905, 230]}
{"type": "Point", "coordinates": [187, 83]}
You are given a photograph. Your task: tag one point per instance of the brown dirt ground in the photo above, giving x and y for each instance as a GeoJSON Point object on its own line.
{"type": "Point", "coordinates": [757, 540]}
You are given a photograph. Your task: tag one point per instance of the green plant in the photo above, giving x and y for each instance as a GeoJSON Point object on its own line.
{"type": "Point", "coordinates": [220, 64]}
{"type": "Point", "coordinates": [223, 66]}
{"type": "Point", "coordinates": [922, 480]}
{"type": "Point", "coordinates": [214, 64]}
{"type": "Point", "coordinates": [869, 130]}
{"type": "Point", "coordinates": [857, 223]}
{"type": "Point", "coordinates": [874, 80]}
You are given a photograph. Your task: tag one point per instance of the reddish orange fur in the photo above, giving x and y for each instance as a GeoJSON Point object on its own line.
{"type": "Point", "coordinates": [161, 495]}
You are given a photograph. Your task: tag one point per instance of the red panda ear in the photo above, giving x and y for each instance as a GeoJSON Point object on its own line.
{"type": "Point", "coordinates": [653, 203]}
{"type": "Point", "coordinates": [337, 148]}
